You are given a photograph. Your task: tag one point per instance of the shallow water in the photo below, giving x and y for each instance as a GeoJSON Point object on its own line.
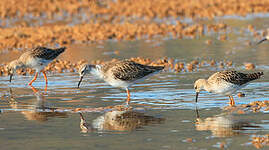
{"type": "Point", "coordinates": [163, 115]}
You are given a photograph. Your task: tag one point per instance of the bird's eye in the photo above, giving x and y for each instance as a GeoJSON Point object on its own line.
{"type": "Point", "coordinates": [195, 87]}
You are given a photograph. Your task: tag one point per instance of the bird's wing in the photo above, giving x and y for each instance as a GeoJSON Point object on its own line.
{"type": "Point", "coordinates": [130, 71]}
{"type": "Point", "coordinates": [233, 77]}
{"type": "Point", "coordinates": [46, 53]}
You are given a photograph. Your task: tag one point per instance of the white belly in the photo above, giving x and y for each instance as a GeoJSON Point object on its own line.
{"type": "Point", "coordinates": [37, 64]}
{"type": "Point", "coordinates": [225, 89]}
{"type": "Point", "coordinates": [118, 83]}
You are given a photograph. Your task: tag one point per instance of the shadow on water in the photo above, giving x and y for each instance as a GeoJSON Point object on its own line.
{"type": "Point", "coordinates": [39, 110]}
{"type": "Point", "coordinates": [227, 124]}
{"type": "Point", "coordinates": [119, 120]}
{"type": "Point", "coordinates": [115, 118]}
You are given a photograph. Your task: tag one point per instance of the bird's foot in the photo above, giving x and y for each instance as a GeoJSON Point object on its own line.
{"type": "Point", "coordinates": [232, 103]}
{"type": "Point", "coordinates": [197, 121]}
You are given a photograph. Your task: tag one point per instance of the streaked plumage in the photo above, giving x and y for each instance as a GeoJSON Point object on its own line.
{"type": "Point", "coordinates": [128, 70]}
{"type": "Point", "coordinates": [46, 53]}
{"type": "Point", "coordinates": [121, 73]}
{"type": "Point", "coordinates": [37, 58]}
{"type": "Point", "coordinates": [225, 82]}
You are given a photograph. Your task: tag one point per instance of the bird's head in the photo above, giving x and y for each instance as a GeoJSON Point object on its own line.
{"type": "Point", "coordinates": [264, 39]}
{"type": "Point", "coordinates": [83, 70]}
{"type": "Point", "coordinates": [12, 67]}
{"type": "Point", "coordinates": [199, 85]}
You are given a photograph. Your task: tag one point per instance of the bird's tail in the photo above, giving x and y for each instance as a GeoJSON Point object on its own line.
{"type": "Point", "coordinates": [254, 76]}
{"type": "Point", "coordinates": [159, 68]}
{"type": "Point", "coordinates": [60, 50]}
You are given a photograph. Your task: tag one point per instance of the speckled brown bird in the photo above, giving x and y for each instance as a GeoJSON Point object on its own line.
{"type": "Point", "coordinates": [36, 58]}
{"type": "Point", "coordinates": [121, 74]}
{"type": "Point", "coordinates": [225, 82]}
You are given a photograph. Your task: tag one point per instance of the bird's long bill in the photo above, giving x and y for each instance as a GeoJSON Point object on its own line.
{"type": "Point", "coordinates": [80, 81]}
{"type": "Point", "coordinates": [261, 41]}
{"type": "Point", "coordinates": [10, 77]}
{"type": "Point", "coordinates": [196, 98]}
{"type": "Point", "coordinates": [197, 112]}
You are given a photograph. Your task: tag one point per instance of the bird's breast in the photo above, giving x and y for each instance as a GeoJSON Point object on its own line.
{"type": "Point", "coordinates": [224, 88]}
{"type": "Point", "coordinates": [116, 82]}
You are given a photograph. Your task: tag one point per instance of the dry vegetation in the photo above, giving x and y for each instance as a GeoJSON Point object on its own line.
{"type": "Point", "coordinates": [169, 63]}
{"type": "Point", "coordinates": [120, 20]}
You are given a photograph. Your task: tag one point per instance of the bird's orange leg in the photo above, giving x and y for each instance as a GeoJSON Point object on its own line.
{"type": "Point", "coordinates": [45, 77]}
{"type": "Point", "coordinates": [46, 87]}
{"type": "Point", "coordinates": [34, 89]}
{"type": "Point", "coordinates": [231, 100]}
{"type": "Point", "coordinates": [30, 83]}
{"type": "Point", "coordinates": [128, 96]}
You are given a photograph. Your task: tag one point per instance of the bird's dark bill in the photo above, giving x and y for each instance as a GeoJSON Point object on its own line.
{"type": "Point", "coordinates": [261, 41]}
{"type": "Point", "coordinates": [10, 77]}
{"type": "Point", "coordinates": [80, 81]}
{"type": "Point", "coordinates": [196, 98]}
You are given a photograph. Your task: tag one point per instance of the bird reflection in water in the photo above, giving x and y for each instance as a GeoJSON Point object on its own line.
{"type": "Point", "coordinates": [119, 120]}
{"type": "Point", "coordinates": [224, 125]}
{"type": "Point", "coordinates": [39, 110]}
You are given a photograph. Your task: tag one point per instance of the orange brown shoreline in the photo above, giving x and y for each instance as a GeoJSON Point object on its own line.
{"type": "Point", "coordinates": [171, 65]}
{"type": "Point", "coordinates": [129, 8]}
{"type": "Point", "coordinates": [106, 23]}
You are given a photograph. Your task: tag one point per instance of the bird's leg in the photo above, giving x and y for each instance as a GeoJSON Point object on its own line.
{"type": "Point", "coordinates": [45, 77]}
{"type": "Point", "coordinates": [46, 87]}
{"type": "Point", "coordinates": [231, 100]}
{"type": "Point", "coordinates": [197, 121]}
{"type": "Point", "coordinates": [30, 83]}
{"type": "Point", "coordinates": [34, 89]}
{"type": "Point", "coordinates": [128, 96]}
